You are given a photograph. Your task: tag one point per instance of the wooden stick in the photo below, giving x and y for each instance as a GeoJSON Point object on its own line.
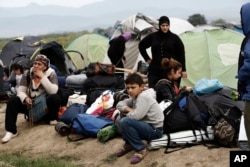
{"type": "Point", "coordinates": [125, 69]}
{"type": "Point", "coordinates": [31, 116]}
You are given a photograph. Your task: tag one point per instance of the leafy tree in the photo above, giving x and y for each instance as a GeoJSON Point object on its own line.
{"type": "Point", "coordinates": [219, 22]}
{"type": "Point", "coordinates": [197, 19]}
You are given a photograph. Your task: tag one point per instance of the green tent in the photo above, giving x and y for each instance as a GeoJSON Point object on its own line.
{"type": "Point", "coordinates": [212, 53]}
{"type": "Point", "coordinates": [93, 47]}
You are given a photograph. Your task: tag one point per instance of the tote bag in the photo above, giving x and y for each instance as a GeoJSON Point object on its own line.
{"type": "Point", "coordinates": [38, 110]}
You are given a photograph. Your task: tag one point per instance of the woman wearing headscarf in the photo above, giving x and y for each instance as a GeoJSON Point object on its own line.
{"type": "Point", "coordinates": [164, 44]}
{"type": "Point", "coordinates": [36, 97]}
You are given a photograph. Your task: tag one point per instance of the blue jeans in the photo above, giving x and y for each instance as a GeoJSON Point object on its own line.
{"type": "Point", "coordinates": [134, 131]}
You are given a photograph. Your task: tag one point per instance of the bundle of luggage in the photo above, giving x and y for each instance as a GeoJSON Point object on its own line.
{"type": "Point", "coordinates": [212, 119]}
{"type": "Point", "coordinates": [202, 117]}
{"type": "Point", "coordinates": [90, 96]}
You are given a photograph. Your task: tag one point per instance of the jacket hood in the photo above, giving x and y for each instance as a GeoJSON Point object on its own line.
{"type": "Point", "coordinates": [245, 18]}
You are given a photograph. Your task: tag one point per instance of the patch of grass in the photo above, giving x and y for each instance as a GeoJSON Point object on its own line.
{"type": "Point", "coordinates": [16, 159]}
{"type": "Point", "coordinates": [68, 158]}
{"type": "Point", "coordinates": [154, 164]}
{"type": "Point", "coordinates": [110, 159]}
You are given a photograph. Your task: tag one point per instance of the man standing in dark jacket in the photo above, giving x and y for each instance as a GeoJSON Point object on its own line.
{"type": "Point", "coordinates": [164, 44]}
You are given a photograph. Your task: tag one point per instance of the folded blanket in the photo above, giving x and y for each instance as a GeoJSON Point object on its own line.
{"type": "Point", "coordinates": [77, 79]}
{"type": "Point", "coordinates": [106, 133]}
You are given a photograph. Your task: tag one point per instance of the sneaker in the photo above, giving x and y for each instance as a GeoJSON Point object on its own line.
{"type": "Point", "coordinates": [8, 136]}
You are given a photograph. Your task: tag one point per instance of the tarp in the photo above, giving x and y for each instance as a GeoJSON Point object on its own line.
{"type": "Point", "coordinates": [93, 47]}
{"type": "Point", "coordinates": [213, 53]}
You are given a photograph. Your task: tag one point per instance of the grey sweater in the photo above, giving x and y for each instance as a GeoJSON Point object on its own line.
{"type": "Point", "coordinates": [146, 109]}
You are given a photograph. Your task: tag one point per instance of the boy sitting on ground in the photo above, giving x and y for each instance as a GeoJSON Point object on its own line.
{"type": "Point", "coordinates": [142, 119]}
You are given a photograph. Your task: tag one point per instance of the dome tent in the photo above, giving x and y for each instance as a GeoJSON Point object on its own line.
{"type": "Point", "coordinates": [211, 52]}
{"type": "Point", "coordinates": [93, 48]}
{"type": "Point", "coordinates": [179, 26]}
{"type": "Point", "coordinates": [20, 48]}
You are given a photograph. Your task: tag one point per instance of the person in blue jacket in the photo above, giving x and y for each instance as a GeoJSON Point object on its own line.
{"type": "Point", "coordinates": [244, 66]}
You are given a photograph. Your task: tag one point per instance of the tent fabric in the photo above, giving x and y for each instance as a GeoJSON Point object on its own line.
{"type": "Point", "coordinates": [179, 26]}
{"type": "Point", "coordinates": [211, 52]}
{"type": "Point", "coordinates": [58, 57]}
{"type": "Point", "coordinates": [93, 47]}
{"type": "Point", "coordinates": [19, 48]}
{"type": "Point", "coordinates": [22, 50]}
{"type": "Point", "coordinates": [140, 26]}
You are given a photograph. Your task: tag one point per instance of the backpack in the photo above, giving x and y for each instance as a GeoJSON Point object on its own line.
{"type": "Point", "coordinates": [119, 96]}
{"type": "Point", "coordinates": [226, 130]}
{"type": "Point", "coordinates": [225, 114]}
{"type": "Point", "coordinates": [95, 85]}
{"type": "Point", "coordinates": [183, 114]}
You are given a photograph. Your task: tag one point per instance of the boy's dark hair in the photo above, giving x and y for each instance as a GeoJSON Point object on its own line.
{"type": "Point", "coordinates": [134, 78]}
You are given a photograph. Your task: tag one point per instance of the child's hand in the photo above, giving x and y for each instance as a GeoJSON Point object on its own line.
{"type": "Point", "coordinates": [127, 110]}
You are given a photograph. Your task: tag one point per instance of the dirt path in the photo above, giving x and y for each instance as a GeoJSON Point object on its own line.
{"type": "Point", "coordinates": [43, 140]}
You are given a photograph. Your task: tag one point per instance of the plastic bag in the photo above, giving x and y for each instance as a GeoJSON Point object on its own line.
{"type": "Point", "coordinates": [204, 86]}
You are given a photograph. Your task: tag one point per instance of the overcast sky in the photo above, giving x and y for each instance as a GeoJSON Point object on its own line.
{"type": "Point", "coordinates": [68, 3]}
{"type": "Point", "coordinates": [79, 3]}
